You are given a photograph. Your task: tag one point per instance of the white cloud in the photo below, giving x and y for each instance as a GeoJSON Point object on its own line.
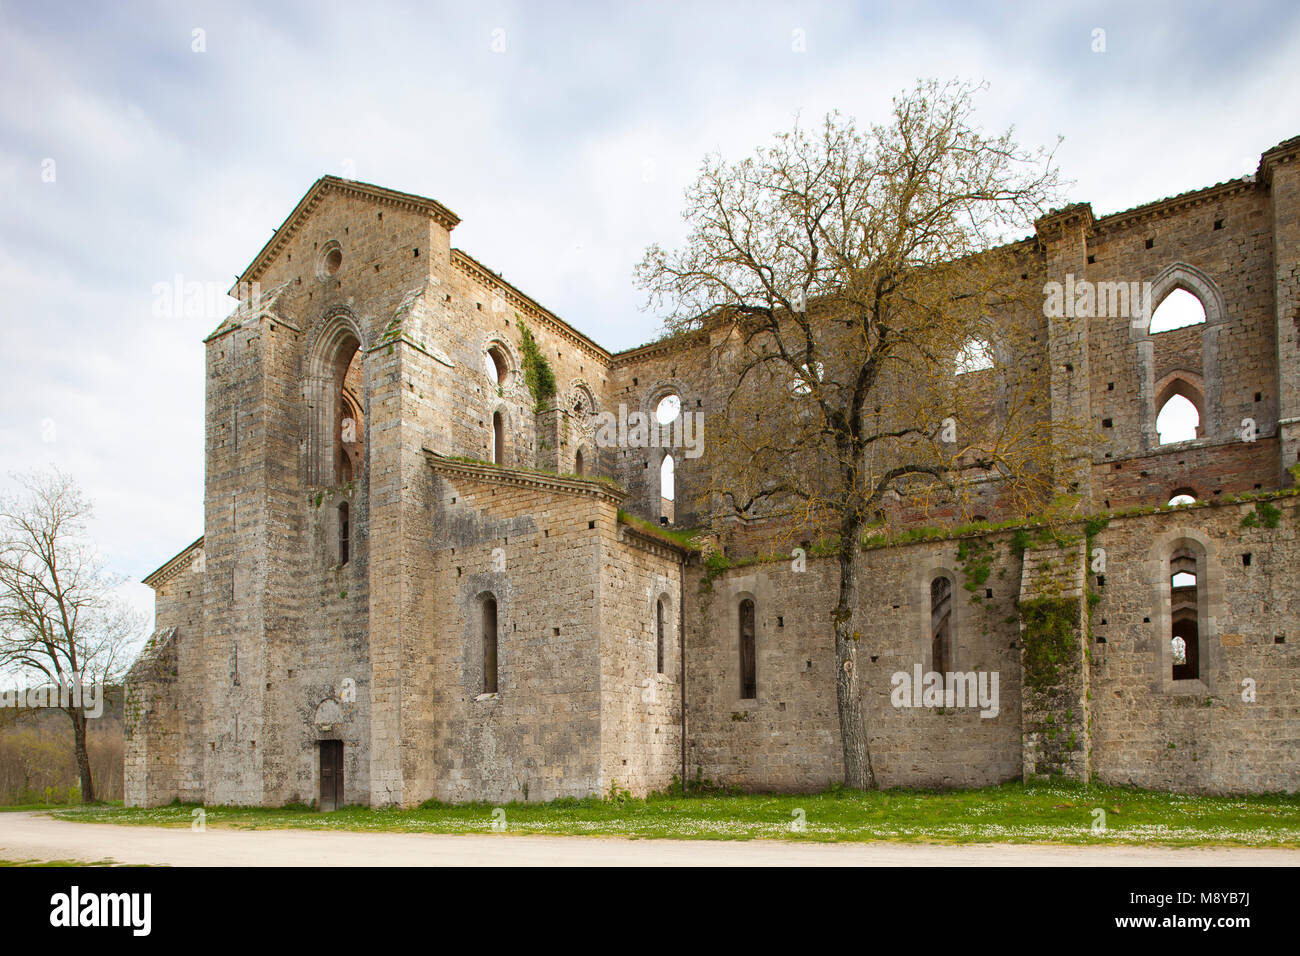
{"type": "Point", "coordinates": [565, 155]}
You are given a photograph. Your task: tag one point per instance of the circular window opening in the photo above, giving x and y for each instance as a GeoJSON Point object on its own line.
{"type": "Point", "coordinates": [494, 363]}
{"type": "Point", "coordinates": [331, 257]}
{"type": "Point", "coordinates": [669, 407]}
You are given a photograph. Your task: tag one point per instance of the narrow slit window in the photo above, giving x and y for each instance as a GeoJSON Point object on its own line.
{"type": "Point", "coordinates": [498, 439]}
{"type": "Point", "coordinates": [659, 636]}
{"type": "Point", "coordinates": [345, 534]}
{"type": "Point", "coordinates": [941, 624]}
{"type": "Point", "coordinates": [1185, 643]}
{"type": "Point", "coordinates": [668, 489]}
{"type": "Point", "coordinates": [489, 645]}
{"type": "Point", "coordinates": [748, 663]}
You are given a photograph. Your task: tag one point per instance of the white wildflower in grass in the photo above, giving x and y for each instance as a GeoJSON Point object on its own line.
{"type": "Point", "coordinates": [1011, 813]}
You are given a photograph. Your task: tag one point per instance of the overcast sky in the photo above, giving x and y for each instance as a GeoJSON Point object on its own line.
{"type": "Point", "coordinates": [134, 149]}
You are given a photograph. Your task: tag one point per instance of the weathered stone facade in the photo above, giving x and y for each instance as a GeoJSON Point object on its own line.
{"type": "Point", "coordinates": [415, 548]}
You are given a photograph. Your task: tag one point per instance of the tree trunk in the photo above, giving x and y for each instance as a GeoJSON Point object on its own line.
{"type": "Point", "coordinates": [858, 774]}
{"type": "Point", "coordinates": [83, 756]}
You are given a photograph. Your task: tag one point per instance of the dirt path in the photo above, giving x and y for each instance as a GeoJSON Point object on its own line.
{"type": "Point", "coordinates": [36, 836]}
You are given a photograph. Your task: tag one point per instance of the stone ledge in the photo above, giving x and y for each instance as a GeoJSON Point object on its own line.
{"type": "Point", "coordinates": [521, 478]}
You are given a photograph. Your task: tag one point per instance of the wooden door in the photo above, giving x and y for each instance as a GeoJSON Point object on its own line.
{"type": "Point", "coordinates": [331, 775]}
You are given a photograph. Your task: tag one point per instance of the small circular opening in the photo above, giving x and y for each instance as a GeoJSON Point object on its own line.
{"type": "Point", "coordinates": [331, 257]}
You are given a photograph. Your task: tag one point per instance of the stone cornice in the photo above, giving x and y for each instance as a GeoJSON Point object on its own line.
{"type": "Point", "coordinates": [182, 562]}
{"type": "Point", "coordinates": [408, 202]}
{"type": "Point", "coordinates": [1054, 224]}
{"type": "Point", "coordinates": [1280, 155]}
{"type": "Point", "coordinates": [672, 343]}
{"type": "Point", "coordinates": [531, 309]}
{"type": "Point", "coordinates": [263, 307]}
{"type": "Point", "coordinates": [630, 534]}
{"type": "Point", "coordinates": [521, 478]}
{"type": "Point", "coordinates": [1175, 204]}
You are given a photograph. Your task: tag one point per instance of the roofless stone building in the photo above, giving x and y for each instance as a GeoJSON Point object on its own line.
{"type": "Point", "coordinates": [423, 576]}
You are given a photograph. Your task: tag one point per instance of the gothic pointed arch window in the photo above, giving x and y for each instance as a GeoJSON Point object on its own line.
{"type": "Point", "coordinates": [1177, 329]}
{"type": "Point", "coordinates": [336, 402]}
{"type": "Point", "coordinates": [1177, 310]}
{"type": "Point", "coordinates": [1180, 402]}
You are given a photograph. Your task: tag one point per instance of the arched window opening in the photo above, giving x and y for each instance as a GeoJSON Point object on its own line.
{"type": "Point", "coordinates": [668, 488]}
{"type": "Point", "coordinates": [1177, 310]}
{"type": "Point", "coordinates": [659, 636]}
{"type": "Point", "coordinates": [345, 534]}
{"type": "Point", "coordinates": [498, 439]}
{"type": "Point", "coordinates": [1183, 496]}
{"type": "Point", "coordinates": [496, 366]}
{"type": "Point", "coordinates": [1178, 420]}
{"type": "Point", "coordinates": [349, 416]}
{"type": "Point", "coordinates": [335, 394]}
{"type": "Point", "coordinates": [748, 657]}
{"type": "Point", "coordinates": [579, 464]}
{"type": "Point", "coordinates": [1184, 604]}
{"type": "Point", "coordinates": [489, 612]}
{"type": "Point", "coordinates": [801, 384]}
{"type": "Point", "coordinates": [975, 356]}
{"type": "Point", "coordinates": [941, 624]}
{"type": "Point", "coordinates": [668, 408]}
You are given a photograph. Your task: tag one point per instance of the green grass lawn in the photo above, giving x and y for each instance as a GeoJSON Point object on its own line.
{"type": "Point", "coordinates": [1011, 813]}
{"type": "Point", "coordinates": [58, 863]}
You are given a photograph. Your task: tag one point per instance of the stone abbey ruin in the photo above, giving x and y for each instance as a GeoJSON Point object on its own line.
{"type": "Point", "coordinates": [422, 574]}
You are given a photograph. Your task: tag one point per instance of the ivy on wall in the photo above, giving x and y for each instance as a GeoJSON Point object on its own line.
{"type": "Point", "coordinates": [538, 374]}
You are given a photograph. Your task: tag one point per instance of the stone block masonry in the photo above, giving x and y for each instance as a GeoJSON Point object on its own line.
{"type": "Point", "coordinates": [384, 455]}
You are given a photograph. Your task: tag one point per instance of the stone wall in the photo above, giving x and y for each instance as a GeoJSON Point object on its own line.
{"type": "Point", "coordinates": [579, 707]}
{"type": "Point", "coordinates": [278, 644]}
{"type": "Point", "coordinates": [164, 699]}
{"type": "Point", "coordinates": [788, 737]}
{"type": "Point", "coordinates": [1132, 723]}
{"type": "Point", "coordinates": [1151, 731]}
{"type": "Point", "coordinates": [641, 706]}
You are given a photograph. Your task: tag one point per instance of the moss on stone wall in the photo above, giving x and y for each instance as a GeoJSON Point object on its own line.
{"type": "Point", "coordinates": [1050, 640]}
{"type": "Point", "coordinates": [1264, 516]}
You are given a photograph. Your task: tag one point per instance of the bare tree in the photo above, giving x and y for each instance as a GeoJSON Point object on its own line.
{"type": "Point", "coordinates": [873, 328]}
{"type": "Point", "coordinates": [60, 621]}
